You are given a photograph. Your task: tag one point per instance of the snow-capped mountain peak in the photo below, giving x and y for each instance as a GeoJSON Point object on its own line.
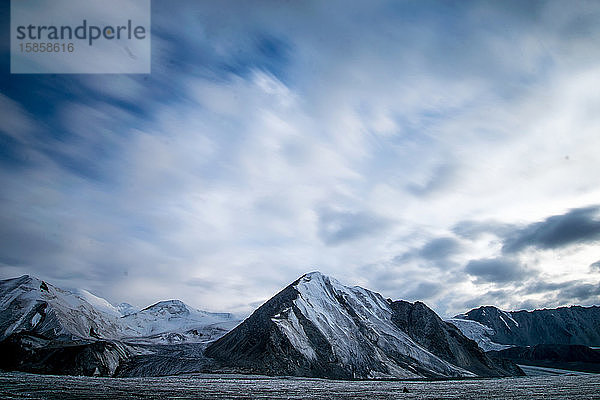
{"type": "Point", "coordinates": [318, 327]}
{"type": "Point", "coordinates": [173, 320]}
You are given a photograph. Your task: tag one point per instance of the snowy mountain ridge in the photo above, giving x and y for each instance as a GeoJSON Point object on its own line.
{"type": "Point", "coordinates": [98, 302]}
{"type": "Point", "coordinates": [28, 304]}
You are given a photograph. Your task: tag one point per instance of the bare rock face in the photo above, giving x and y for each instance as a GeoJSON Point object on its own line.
{"type": "Point", "coordinates": [318, 327]}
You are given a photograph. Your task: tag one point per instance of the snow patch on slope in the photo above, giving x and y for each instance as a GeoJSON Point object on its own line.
{"type": "Point", "coordinates": [505, 323]}
{"type": "Point", "coordinates": [510, 318]}
{"type": "Point", "coordinates": [479, 333]}
{"type": "Point", "coordinates": [36, 318]}
{"type": "Point", "coordinates": [98, 302]}
{"type": "Point", "coordinates": [288, 323]}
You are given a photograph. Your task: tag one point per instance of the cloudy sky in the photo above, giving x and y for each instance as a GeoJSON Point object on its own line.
{"type": "Point", "coordinates": [443, 151]}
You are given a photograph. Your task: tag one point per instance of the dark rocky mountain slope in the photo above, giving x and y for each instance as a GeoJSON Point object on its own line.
{"type": "Point", "coordinates": [444, 339]}
{"type": "Point", "coordinates": [564, 325]}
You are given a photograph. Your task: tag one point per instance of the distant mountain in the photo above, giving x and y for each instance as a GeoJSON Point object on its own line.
{"type": "Point", "coordinates": [565, 325]}
{"type": "Point", "coordinates": [34, 306]}
{"type": "Point", "coordinates": [174, 321]}
{"type": "Point", "coordinates": [98, 303]}
{"type": "Point", "coordinates": [46, 329]}
{"type": "Point", "coordinates": [318, 327]}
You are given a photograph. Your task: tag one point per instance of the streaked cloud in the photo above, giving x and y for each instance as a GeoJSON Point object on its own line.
{"type": "Point", "coordinates": [496, 270]}
{"type": "Point", "coordinates": [336, 227]}
{"type": "Point", "coordinates": [436, 150]}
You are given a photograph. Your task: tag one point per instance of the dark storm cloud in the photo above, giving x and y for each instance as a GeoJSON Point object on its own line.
{"type": "Point", "coordinates": [595, 266]}
{"type": "Point", "coordinates": [436, 252]}
{"type": "Point", "coordinates": [496, 270]}
{"type": "Point", "coordinates": [569, 292]}
{"type": "Point", "coordinates": [577, 226]}
{"type": "Point", "coordinates": [541, 287]}
{"type": "Point", "coordinates": [543, 295]}
{"type": "Point", "coordinates": [582, 292]}
{"type": "Point", "coordinates": [581, 225]}
{"type": "Point", "coordinates": [554, 294]}
{"type": "Point", "coordinates": [336, 227]}
{"type": "Point", "coordinates": [440, 248]}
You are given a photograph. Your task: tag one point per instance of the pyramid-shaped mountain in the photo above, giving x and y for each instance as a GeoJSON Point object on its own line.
{"type": "Point", "coordinates": [320, 328]}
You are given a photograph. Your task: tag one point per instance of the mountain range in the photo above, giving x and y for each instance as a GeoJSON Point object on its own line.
{"type": "Point", "coordinates": [315, 327]}
{"type": "Point", "coordinates": [495, 329]}
{"type": "Point", "coordinates": [30, 305]}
